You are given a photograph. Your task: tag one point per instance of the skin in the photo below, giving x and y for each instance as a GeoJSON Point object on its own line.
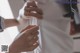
{"type": "Point", "coordinates": [27, 40]}
{"type": "Point", "coordinates": [31, 6]}
{"type": "Point", "coordinates": [27, 12]}
{"type": "Point", "coordinates": [10, 22]}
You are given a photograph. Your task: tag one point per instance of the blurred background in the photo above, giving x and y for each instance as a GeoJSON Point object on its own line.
{"type": "Point", "coordinates": [10, 9]}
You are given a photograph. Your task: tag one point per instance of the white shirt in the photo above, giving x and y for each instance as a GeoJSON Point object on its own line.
{"type": "Point", "coordinates": [54, 28]}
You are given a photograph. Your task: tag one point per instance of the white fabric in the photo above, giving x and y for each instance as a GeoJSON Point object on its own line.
{"type": "Point", "coordinates": [54, 29]}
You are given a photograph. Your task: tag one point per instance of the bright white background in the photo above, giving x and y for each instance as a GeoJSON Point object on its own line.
{"type": "Point", "coordinates": [9, 34]}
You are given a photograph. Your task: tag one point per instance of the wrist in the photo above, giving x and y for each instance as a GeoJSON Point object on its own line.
{"type": "Point", "coordinates": [10, 22]}
{"type": "Point", "coordinates": [12, 50]}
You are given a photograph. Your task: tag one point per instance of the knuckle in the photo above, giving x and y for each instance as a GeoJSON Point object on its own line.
{"type": "Point", "coordinates": [31, 49]}
{"type": "Point", "coordinates": [37, 32]}
{"type": "Point", "coordinates": [37, 39]}
{"type": "Point", "coordinates": [25, 13]}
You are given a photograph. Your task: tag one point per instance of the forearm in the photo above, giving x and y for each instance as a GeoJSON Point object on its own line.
{"type": "Point", "coordinates": [10, 22]}
{"type": "Point", "coordinates": [13, 48]}
{"type": "Point", "coordinates": [16, 46]}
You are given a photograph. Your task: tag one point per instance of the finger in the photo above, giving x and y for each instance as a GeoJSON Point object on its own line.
{"type": "Point", "coordinates": [30, 48]}
{"type": "Point", "coordinates": [28, 32]}
{"type": "Point", "coordinates": [38, 10]}
{"type": "Point", "coordinates": [34, 46]}
{"type": "Point", "coordinates": [33, 29]}
{"type": "Point", "coordinates": [32, 37]}
{"type": "Point", "coordinates": [33, 40]}
{"type": "Point", "coordinates": [33, 14]}
{"type": "Point", "coordinates": [34, 33]}
{"type": "Point", "coordinates": [31, 4]}
{"type": "Point", "coordinates": [28, 27]}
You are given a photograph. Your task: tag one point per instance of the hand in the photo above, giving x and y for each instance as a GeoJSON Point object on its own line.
{"type": "Point", "coordinates": [27, 40]}
{"type": "Point", "coordinates": [31, 6]}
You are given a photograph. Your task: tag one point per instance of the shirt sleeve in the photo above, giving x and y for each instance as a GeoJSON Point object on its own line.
{"type": "Point", "coordinates": [1, 24]}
